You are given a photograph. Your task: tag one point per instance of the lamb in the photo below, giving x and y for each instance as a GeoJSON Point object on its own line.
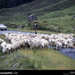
{"type": "Point", "coordinates": [15, 46]}
{"type": "Point", "coordinates": [10, 47]}
{"type": "Point", "coordinates": [8, 38]}
{"type": "Point", "coordinates": [26, 43]}
{"type": "Point", "coordinates": [12, 41]}
{"type": "Point", "coordinates": [45, 43]}
{"type": "Point", "coordinates": [53, 42]}
{"type": "Point", "coordinates": [5, 47]}
{"type": "Point", "coordinates": [35, 43]}
{"type": "Point", "coordinates": [4, 50]}
{"type": "Point", "coordinates": [50, 42]}
{"type": "Point", "coordinates": [69, 45]}
{"type": "Point", "coordinates": [5, 34]}
{"type": "Point", "coordinates": [58, 44]}
{"type": "Point", "coordinates": [3, 44]}
{"type": "Point", "coordinates": [64, 43]}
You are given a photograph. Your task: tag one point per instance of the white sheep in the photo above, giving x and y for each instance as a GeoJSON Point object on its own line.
{"type": "Point", "coordinates": [69, 45]}
{"type": "Point", "coordinates": [15, 46]}
{"type": "Point", "coordinates": [58, 44]}
{"type": "Point", "coordinates": [35, 43]}
{"type": "Point", "coordinates": [26, 43]}
{"type": "Point", "coordinates": [50, 43]}
{"type": "Point", "coordinates": [5, 47]}
{"type": "Point", "coordinates": [4, 50]}
{"type": "Point", "coordinates": [18, 40]}
{"type": "Point", "coordinates": [8, 48]}
{"type": "Point", "coordinates": [45, 43]}
{"type": "Point", "coordinates": [3, 44]}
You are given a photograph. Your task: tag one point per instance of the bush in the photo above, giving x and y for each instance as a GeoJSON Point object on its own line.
{"type": "Point", "coordinates": [41, 27]}
{"type": "Point", "coordinates": [69, 30]}
{"type": "Point", "coordinates": [8, 24]}
{"type": "Point", "coordinates": [44, 21]}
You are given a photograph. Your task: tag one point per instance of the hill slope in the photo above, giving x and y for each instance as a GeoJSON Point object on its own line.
{"type": "Point", "coordinates": [12, 3]}
{"type": "Point", "coordinates": [52, 11]}
{"type": "Point", "coordinates": [37, 4]}
{"type": "Point", "coordinates": [46, 6]}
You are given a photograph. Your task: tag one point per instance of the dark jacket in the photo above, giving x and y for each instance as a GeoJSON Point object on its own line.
{"type": "Point", "coordinates": [35, 26]}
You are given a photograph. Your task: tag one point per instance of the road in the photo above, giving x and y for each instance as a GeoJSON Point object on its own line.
{"type": "Point", "coordinates": [63, 51]}
{"type": "Point", "coordinates": [1, 32]}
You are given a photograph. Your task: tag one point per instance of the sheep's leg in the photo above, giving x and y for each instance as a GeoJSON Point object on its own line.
{"type": "Point", "coordinates": [50, 46]}
{"type": "Point", "coordinates": [43, 47]}
{"type": "Point", "coordinates": [40, 46]}
{"type": "Point", "coordinates": [25, 48]}
{"type": "Point", "coordinates": [60, 47]}
{"type": "Point", "coordinates": [74, 49]}
{"type": "Point", "coordinates": [64, 46]}
{"type": "Point", "coordinates": [56, 47]}
{"type": "Point", "coordinates": [31, 48]}
{"type": "Point", "coordinates": [9, 51]}
{"type": "Point", "coordinates": [66, 49]}
{"type": "Point", "coordinates": [70, 49]}
{"type": "Point", "coordinates": [47, 46]}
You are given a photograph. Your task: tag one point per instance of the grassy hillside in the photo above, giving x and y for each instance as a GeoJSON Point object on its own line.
{"type": "Point", "coordinates": [52, 15]}
{"type": "Point", "coordinates": [36, 4]}
{"type": "Point", "coordinates": [12, 3]}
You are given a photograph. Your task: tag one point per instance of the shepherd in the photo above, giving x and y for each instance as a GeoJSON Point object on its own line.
{"type": "Point", "coordinates": [35, 27]}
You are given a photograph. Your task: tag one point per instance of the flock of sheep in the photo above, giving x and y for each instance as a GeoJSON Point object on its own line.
{"type": "Point", "coordinates": [18, 40]}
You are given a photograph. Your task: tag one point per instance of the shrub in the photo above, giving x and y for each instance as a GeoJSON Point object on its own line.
{"type": "Point", "coordinates": [44, 21]}
{"type": "Point", "coordinates": [69, 30]}
{"type": "Point", "coordinates": [41, 27]}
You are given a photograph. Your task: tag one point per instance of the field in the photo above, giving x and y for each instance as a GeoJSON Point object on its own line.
{"type": "Point", "coordinates": [36, 59]}
{"type": "Point", "coordinates": [55, 17]}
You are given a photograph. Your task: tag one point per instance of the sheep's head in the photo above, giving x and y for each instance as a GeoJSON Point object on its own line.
{"type": "Point", "coordinates": [9, 40]}
{"type": "Point", "coordinates": [52, 40]}
{"type": "Point", "coordinates": [4, 49]}
{"type": "Point", "coordinates": [9, 48]}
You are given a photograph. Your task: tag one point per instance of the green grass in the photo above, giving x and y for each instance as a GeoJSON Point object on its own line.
{"type": "Point", "coordinates": [32, 31]}
{"type": "Point", "coordinates": [36, 59]}
{"type": "Point", "coordinates": [39, 31]}
{"type": "Point", "coordinates": [48, 17]}
{"type": "Point", "coordinates": [63, 19]}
